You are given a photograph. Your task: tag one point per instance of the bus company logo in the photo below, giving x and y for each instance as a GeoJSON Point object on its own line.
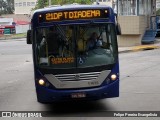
{"type": "Point", "coordinates": [77, 77]}
{"type": "Point", "coordinates": [6, 114]}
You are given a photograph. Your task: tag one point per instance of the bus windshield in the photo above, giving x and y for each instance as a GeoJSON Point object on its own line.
{"type": "Point", "coordinates": [76, 45]}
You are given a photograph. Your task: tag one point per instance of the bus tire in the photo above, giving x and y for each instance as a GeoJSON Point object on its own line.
{"type": "Point", "coordinates": [42, 102]}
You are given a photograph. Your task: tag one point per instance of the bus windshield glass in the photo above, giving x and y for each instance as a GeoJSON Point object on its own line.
{"type": "Point", "coordinates": [76, 45]}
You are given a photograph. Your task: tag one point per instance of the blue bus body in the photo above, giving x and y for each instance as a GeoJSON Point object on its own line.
{"type": "Point", "coordinates": [52, 91]}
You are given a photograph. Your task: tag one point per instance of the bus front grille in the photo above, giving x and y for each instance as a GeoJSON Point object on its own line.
{"type": "Point", "coordinates": [78, 76]}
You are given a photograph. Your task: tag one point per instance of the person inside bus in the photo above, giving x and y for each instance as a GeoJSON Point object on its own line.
{"type": "Point", "coordinates": [91, 43]}
{"type": "Point", "coordinates": [99, 44]}
{"type": "Point", "coordinates": [53, 43]}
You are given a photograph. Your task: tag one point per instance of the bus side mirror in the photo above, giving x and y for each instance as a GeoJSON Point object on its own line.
{"type": "Point", "coordinates": [118, 29]}
{"type": "Point", "coordinates": [29, 41]}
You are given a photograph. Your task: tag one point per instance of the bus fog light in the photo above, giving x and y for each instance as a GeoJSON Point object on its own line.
{"type": "Point", "coordinates": [41, 82]}
{"type": "Point", "coordinates": [113, 77]}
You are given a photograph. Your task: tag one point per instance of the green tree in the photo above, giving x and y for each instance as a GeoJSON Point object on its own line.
{"type": "Point", "coordinates": [2, 7]}
{"type": "Point", "coordinates": [10, 6]}
{"type": "Point", "coordinates": [158, 12]}
{"type": "Point", "coordinates": [62, 2]}
{"type": "Point", "coordinates": [44, 3]}
{"type": "Point", "coordinates": [40, 4]}
{"type": "Point", "coordinates": [6, 6]}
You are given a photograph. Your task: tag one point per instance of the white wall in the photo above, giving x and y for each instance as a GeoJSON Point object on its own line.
{"type": "Point", "coordinates": [6, 21]}
{"type": "Point", "coordinates": [158, 5]}
{"type": "Point", "coordinates": [21, 28]}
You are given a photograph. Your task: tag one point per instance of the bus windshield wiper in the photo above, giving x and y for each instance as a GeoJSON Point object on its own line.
{"type": "Point", "coordinates": [61, 31]}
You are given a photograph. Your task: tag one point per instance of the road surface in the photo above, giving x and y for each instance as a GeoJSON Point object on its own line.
{"type": "Point", "coordinates": [139, 85]}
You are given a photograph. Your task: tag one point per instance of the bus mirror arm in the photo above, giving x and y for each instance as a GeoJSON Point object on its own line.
{"type": "Point", "coordinates": [118, 29]}
{"type": "Point", "coordinates": [29, 37]}
{"type": "Point", "coordinates": [115, 14]}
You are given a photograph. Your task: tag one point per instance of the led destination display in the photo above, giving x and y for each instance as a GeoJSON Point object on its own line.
{"type": "Point", "coordinates": [73, 15]}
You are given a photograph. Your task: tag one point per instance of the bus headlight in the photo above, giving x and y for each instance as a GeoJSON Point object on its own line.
{"type": "Point", "coordinates": [41, 82]}
{"type": "Point", "coordinates": [113, 77]}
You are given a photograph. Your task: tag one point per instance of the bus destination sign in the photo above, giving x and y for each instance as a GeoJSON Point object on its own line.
{"type": "Point", "coordinates": [73, 15]}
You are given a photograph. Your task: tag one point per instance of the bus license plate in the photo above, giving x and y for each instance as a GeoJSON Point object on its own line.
{"type": "Point", "coordinates": [78, 95]}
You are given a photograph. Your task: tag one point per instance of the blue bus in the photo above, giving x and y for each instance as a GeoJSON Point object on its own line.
{"type": "Point", "coordinates": [75, 53]}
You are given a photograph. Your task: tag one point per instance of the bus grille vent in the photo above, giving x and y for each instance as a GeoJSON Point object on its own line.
{"type": "Point", "coordinates": [78, 76]}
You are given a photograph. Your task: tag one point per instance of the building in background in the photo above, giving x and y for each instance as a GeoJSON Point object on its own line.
{"type": "Point", "coordinates": [157, 4]}
{"type": "Point", "coordinates": [23, 10]}
{"type": "Point", "coordinates": [20, 19]}
{"type": "Point", "coordinates": [24, 6]}
{"type": "Point", "coordinates": [137, 19]}
{"type": "Point", "coordinates": [111, 3]}
{"type": "Point", "coordinates": [6, 26]}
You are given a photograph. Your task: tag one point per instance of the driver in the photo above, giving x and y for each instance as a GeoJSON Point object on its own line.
{"type": "Point", "coordinates": [91, 43]}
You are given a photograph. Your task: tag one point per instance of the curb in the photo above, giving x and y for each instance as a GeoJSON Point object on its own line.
{"type": "Point", "coordinates": [145, 47]}
{"type": "Point", "coordinates": [140, 48]}
{"type": "Point", "coordinates": [12, 38]}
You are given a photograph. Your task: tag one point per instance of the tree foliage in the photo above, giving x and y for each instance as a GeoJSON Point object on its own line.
{"type": "Point", "coordinates": [40, 4]}
{"type": "Point", "coordinates": [6, 6]}
{"type": "Point", "coordinates": [158, 12]}
{"type": "Point", "coordinates": [44, 3]}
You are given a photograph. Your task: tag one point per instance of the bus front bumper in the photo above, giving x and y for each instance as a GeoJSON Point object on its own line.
{"type": "Point", "coordinates": [53, 95]}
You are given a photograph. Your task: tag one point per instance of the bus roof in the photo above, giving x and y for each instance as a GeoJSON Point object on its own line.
{"type": "Point", "coordinates": [71, 7]}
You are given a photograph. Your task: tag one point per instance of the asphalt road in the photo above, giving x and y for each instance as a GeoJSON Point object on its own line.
{"type": "Point", "coordinates": [139, 86]}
